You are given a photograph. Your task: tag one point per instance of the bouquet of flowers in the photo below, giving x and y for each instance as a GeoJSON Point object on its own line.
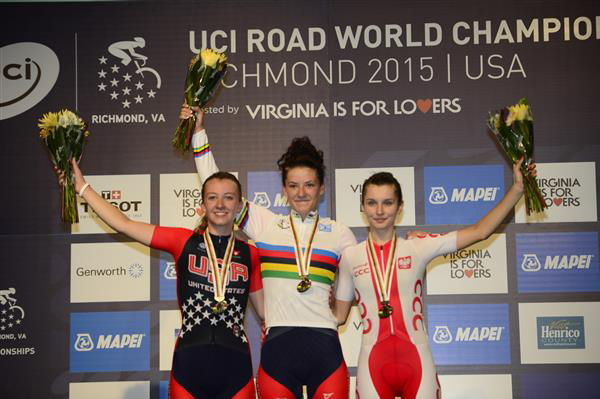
{"type": "Point", "coordinates": [204, 73]}
{"type": "Point", "coordinates": [64, 132]}
{"type": "Point", "coordinates": [513, 128]}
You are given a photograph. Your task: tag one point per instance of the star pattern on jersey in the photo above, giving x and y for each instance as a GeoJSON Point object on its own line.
{"type": "Point", "coordinates": [130, 84]}
{"type": "Point", "coordinates": [198, 308]}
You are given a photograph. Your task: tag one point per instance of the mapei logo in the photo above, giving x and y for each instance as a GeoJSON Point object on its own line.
{"type": "Point", "coordinates": [530, 263]}
{"type": "Point", "coordinates": [170, 271]}
{"type": "Point", "coordinates": [262, 199]}
{"type": "Point", "coordinates": [443, 335]}
{"type": "Point", "coordinates": [438, 195]}
{"type": "Point", "coordinates": [29, 71]}
{"type": "Point", "coordinates": [110, 341]}
{"type": "Point", "coordinates": [85, 343]}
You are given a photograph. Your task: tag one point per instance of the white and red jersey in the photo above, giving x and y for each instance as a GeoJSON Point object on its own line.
{"type": "Point", "coordinates": [399, 341]}
{"type": "Point", "coordinates": [284, 305]}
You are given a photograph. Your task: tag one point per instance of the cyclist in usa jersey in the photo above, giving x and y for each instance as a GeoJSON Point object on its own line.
{"type": "Point", "coordinates": [299, 256]}
{"type": "Point", "coordinates": [216, 273]}
{"type": "Point", "coordinates": [385, 275]}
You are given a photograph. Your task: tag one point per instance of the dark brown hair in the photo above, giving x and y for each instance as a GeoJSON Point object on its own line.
{"type": "Point", "coordinates": [302, 152]}
{"type": "Point", "coordinates": [382, 179]}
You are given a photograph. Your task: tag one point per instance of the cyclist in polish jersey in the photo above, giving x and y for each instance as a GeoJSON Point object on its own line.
{"type": "Point", "coordinates": [385, 275]}
{"type": "Point", "coordinates": [299, 256]}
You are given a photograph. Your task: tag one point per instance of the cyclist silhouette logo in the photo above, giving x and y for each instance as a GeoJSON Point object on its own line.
{"type": "Point", "coordinates": [125, 76]}
{"type": "Point", "coordinates": [11, 314]}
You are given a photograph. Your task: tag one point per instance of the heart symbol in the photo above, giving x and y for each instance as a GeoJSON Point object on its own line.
{"type": "Point", "coordinates": [199, 212]}
{"type": "Point", "coordinates": [557, 201]}
{"type": "Point", "coordinates": [469, 273]}
{"type": "Point", "coordinates": [424, 105]}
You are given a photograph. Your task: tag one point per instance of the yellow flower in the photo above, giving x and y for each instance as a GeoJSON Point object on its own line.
{"type": "Point", "coordinates": [210, 57]}
{"type": "Point", "coordinates": [44, 133]}
{"type": "Point", "coordinates": [49, 121]}
{"type": "Point", "coordinates": [517, 112]}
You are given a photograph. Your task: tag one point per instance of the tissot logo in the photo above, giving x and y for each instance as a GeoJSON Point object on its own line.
{"type": "Point", "coordinates": [28, 73]}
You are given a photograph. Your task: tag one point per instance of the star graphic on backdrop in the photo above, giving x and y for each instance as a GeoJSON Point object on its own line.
{"type": "Point", "coordinates": [126, 104]}
{"type": "Point", "coordinates": [102, 60]}
{"type": "Point", "coordinates": [101, 87]}
{"type": "Point", "coordinates": [102, 73]}
{"type": "Point", "coordinates": [127, 77]}
{"type": "Point", "coordinates": [114, 68]}
{"type": "Point", "coordinates": [138, 99]}
{"type": "Point", "coordinates": [114, 95]}
{"type": "Point", "coordinates": [139, 85]}
{"type": "Point", "coordinates": [126, 91]}
{"type": "Point", "coordinates": [114, 82]}
{"type": "Point", "coordinates": [151, 94]}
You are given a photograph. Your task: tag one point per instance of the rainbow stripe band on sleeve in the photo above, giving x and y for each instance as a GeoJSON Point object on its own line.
{"type": "Point", "coordinates": [202, 150]}
{"type": "Point", "coordinates": [242, 217]}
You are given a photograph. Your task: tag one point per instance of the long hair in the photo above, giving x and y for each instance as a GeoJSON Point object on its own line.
{"type": "Point", "coordinates": [302, 152]}
{"type": "Point", "coordinates": [219, 176]}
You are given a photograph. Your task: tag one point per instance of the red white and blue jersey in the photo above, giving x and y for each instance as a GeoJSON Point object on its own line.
{"type": "Point", "coordinates": [195, 287]}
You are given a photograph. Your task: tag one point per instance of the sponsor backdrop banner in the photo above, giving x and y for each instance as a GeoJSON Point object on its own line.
{"type": "Point", "coordinates": [380, 85]}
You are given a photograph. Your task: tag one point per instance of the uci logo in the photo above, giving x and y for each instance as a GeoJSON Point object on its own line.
{"type": "Point", "coordinates": [438, 196]}
{"type": "Point", "coordinates": [262, 199]}
{"type": "Point", "coordinates": [530, 263]}
{"type": "Point", "coordinates": [442, 335]}
{"type": "Point", "coordinates": [84, 343]}
{"type": "Point", "coordinates": [28, 71]}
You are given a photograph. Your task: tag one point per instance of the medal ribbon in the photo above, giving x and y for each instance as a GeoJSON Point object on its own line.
{"type": "Point", "coordinates": [383, 278]}
{"type": "Point", "coordinates": [303, 258]}
{"type": "Point", "coordinates": [220, 274]}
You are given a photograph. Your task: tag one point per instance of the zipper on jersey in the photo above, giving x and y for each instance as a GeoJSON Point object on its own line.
{"type": "Point", "coordinates": [392, 277]}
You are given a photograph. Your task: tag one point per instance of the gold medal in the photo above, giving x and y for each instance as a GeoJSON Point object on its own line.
{"type": "Point", "coordinates": [383, 277]}
{"type": "Point", "coordinates": [386, 310]}
{"type": "Point", "coordinates": [303, 257]}
{"type": "Point", "coordinates": [219, 307]}
{"type": "Point", "coordinates": [304, 284]}
{"type": "Point", "coordinates": [220, 275]}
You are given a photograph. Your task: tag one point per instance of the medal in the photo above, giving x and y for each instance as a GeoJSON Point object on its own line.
{"type": "Point", "coordinates": [386, 310]}
{"type": "Point", "coordinates": [303, 257]}
{"type": "Point", "coordinates": [383, 278]}
{"type": "Point", "coordinates": [219, 307]}
{"type": "Point", "coordinates": [304, 284]}
{"type": "Point", "coordinates": [220, 275]}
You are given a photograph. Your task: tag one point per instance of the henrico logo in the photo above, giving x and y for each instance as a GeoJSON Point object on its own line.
{"type": "Point", "coordinates": [28, 73]}
{"type": "Point", "coordinates": [443, 335]}
{"type": "Point", "coordinates": [561, 332]}
{"type": "Point", "coordinates": [85, 343]}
